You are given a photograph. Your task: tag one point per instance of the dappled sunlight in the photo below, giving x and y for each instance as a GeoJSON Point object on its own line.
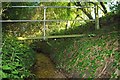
{"type": "Point", "coordinates": [60, 40]}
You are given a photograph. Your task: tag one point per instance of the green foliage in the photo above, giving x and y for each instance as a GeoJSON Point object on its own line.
{"type": "Point", "coordinates": [17, 59]}
{"type": "Point", "coordinates": [36, 29]}
{"type": "Point", "coordinates": [85, 55]}
{"type": "Point", "coordinates": [115, 7]}
{"type": "Point", "coordinates": [17, 13]}
{"type": "Point", "coordinates": [86, 28]}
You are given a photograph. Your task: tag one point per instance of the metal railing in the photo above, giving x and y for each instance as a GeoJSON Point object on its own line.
{"type": "Point", "coordinates": [44, 19]}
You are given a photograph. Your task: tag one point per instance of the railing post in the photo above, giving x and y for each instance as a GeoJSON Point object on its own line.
{"type": "Point", "coordinates": [97, 26]}
{"type": "Point", "coordinates": [44, 25]}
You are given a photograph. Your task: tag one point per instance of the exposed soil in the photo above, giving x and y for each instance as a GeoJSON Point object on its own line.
{"type": "Point", "coordinates": [44, 68]}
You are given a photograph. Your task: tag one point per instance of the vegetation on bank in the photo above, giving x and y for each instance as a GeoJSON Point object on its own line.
{"type": "Point", "coordinates": [17, 59]}
{"type": "Point", "coordinates": [94, 55]}
{"type": "Point", "coordinates": [88, 56]}
{"type": "Point", "coordinates": [91, 56]}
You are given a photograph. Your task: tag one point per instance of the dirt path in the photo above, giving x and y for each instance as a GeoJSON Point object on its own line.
{"type": "Point", "coordinates": [44, 68]}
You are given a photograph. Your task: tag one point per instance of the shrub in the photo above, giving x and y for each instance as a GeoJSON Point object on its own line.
{"type": "Point", "coordinates": [17, 58]}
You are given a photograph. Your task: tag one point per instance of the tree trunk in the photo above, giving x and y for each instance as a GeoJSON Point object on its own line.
{"type": "Point", "coordinates": [86, 12]}
{"type": "Point", "coordinates": [104, 8]}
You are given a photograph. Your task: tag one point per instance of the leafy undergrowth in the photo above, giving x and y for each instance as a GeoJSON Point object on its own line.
{"type": "Point", "coordinates": [92, 56]}
{"type": "Point", "coordinates": [108, 23]}
{"type": "Point", "coordinates": [17, 59]}
{"type": "Point", "coordinates": [89, 56]}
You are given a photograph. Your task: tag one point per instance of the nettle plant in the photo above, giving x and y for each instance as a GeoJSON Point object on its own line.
{"type": "Point", "coordinates": [17, 59]}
